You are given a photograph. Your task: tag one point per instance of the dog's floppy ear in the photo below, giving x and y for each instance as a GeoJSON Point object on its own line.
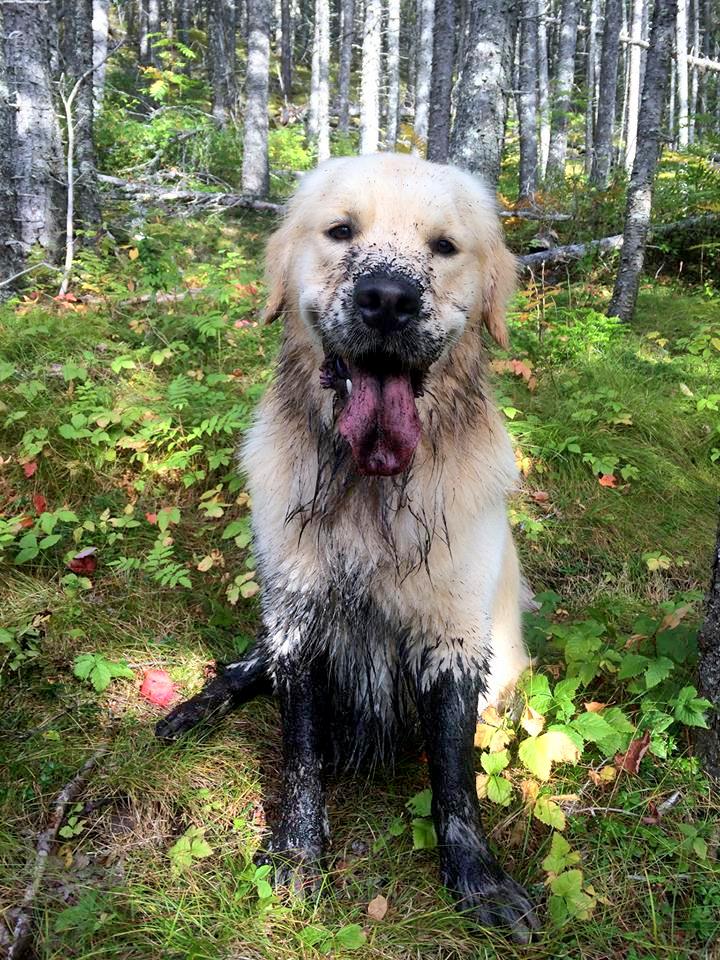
{"type": "Point", "coordinates": [277, 266]}
{"type": "Point", "coordinates": [501, 281]}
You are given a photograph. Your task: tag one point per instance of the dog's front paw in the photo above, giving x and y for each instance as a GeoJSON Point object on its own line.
{"type": "Point", "coordinates": [492, 899]}
{"type": "Point", "coordinates": [297, 871]}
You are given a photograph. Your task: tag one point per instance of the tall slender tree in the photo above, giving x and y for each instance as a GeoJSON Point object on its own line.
{"type": "Point", "coordinates": [370, 78]}
{"type": "Point", "coordinates": [481, 91]}
{"type": "Point", "coordinates": [347, 36]}
{"type": "Point", "coordinates": [426, 18]}
{"type": "Point", "coordinates": [649, 140]}
{"type": "Point", "coordinates": [681, 49]}
{"type": "Point", "coordinates": [443, 62]}
{"type": "Point", "coordinates": [148, 31]}
{"type": "Point", "coordinates": [77, 51]}
{"type": "Point", "coordinates": [393, 73]}
{"type": "Point", "coordinates": [708, 740]}
{"type": "Point", "coordinates": [565, 73]}
{"type": "Point", "coordinates": [527, 99]}
{"type": "Point", "coordinates": [319, 125]}
{"type": "Point", "coordinates": [632, 84]}
{"type": "Point", "coordinates": [255, 136]}
{"type": "Point", "coordinates": [543, 89]}
{"type": "Point", "coordinates": [100, 29]}
{"type": "Point", "coordinates": [607, 94]}
{"type": "Point", "coordinates": [221, 59]}
{"type": "Point", "coordinates": [591, 64]}
{"type": "Point", "coordinates": [286, 47]}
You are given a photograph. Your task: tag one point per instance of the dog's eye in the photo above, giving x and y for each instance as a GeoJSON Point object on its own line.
{"type": "Point", "coordinates": [341, 231]}
{"type": "Point", "coordinates": [444, 247]}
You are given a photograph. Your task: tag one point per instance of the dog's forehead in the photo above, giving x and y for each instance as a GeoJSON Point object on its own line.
{"type": "Point", "coordinates": [399, 195]}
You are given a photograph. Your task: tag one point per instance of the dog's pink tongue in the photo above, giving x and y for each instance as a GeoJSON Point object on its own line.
{"type": "Point", "coordinates": [381, 423]}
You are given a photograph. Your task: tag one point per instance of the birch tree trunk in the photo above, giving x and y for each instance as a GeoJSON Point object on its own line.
{"type": "Point", "coordinates": [443, 61]}
{"type": "Point", "coordinates": [11, 252]}
{"type": "Point", "coordinates": [708, 741]}
{"type": "Point", "coordinates": [639, 200]}
{"type": "Point", "coordinates": [221, 59]}
{"type": "Point", "coordinates": [255, 136]}
{"type": "Point", "coordinates": [633, 84]}
{"type": "Point", "coordinates": [77, 51]}
{"type": "Point", "coordinates": [286, 48]}
{"type": "Point", "coordinates": [314, 98]}
{"type": "Point", "coordinates": [607, 94]}
{"type": "Point", "coordinates": [148, 30]}
{"type": "Point", "coordinates": [591, 81]}
{"type": "Point", "coordinates": [481, 91]}
{"type": "Point", "coordinates": [543, 87]}
{"type": "Point", "coordinates": [565, 72]}
{"type": "Point", "coordinates": [319, 125]}
{"type": "Point", "coordinates": [347, 35]}
{"type": "Point", "coordinates": [370, 78]}
{"type": "Point", "coordinates": [426, 16]}
{"type": "Point", "coordinates": [182, 21]}
{"type": "Point", "coordinates": [681, 47]}
{"type": "Point", "coordinates": [32, 152]}
{"type": "Point", "coordinates": [100, 27]}
{"type": "Point", "coordinates": [527, 99]}
{"type": "Point", "coordinates": [393, 73]}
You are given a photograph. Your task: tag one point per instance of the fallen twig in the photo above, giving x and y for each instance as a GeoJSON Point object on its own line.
{"type": "Point", "coordinates": [576, 251]}
{"type": "Point", "coordinates": [195, 199]}
{"type": "Point", "coordinates": [45, 845]}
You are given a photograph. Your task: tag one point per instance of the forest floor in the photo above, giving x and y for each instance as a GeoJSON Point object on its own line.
{"type": "Point", "coordinates": [118, 418]}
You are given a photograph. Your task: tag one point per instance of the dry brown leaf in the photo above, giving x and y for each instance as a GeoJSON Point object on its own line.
{"type": "Point", "coordinates": [481, 780]}
{"type": "Point", "coordinates": [672, 620]}
{"type": "Point", "coordinates": [540, 496]}
{"type": "Point", "coordinates": [378, 907]}
{"type": "Point", "coordinates": [594, 706]}
{"type": "Point", "coordinates": [630, 760]}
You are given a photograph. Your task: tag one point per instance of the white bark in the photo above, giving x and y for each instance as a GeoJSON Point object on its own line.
{"type": "Point", "coordinates": [565, 72]}
{"type": "Point", "coordinates": [100, 45]}
{"type": "Point", "coordinates": [543, 88]}
{"type": "Point", "coordinates": [527, 99]}
{"type": "Point", "coordinates": [426, 16]}
{"type": "Point", "coordinates": [370, 78]}
{"type": "Point", "coordinates": [591, 81]}
{"type": "Point", "coordinates": [633, 83]}
{"type": "Point", "coordinates": [681, 46]}
{"type": "Point", "coordinates": [255, 138]}
{"type": "Point", "coordinates": [607, 95]}
{"type": "Point", "coordinates": [319, 125]}
{"type": "Point", "coordinates": [393, 73]}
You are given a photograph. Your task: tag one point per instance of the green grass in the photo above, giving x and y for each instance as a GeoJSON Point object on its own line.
{"type": "Point", "coordinates": [142, 380]}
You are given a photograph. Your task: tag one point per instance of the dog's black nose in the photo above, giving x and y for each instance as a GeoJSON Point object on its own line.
{"type": "Point", "coordinates": [386, 304]}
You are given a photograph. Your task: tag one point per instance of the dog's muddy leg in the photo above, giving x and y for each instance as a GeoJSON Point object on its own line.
{"type": "Point", "coordinates": [235, 684]}
{"type": "Point", "coordinates": [448, 713]}
{"type": "Point", "coordinates": [301, 836]}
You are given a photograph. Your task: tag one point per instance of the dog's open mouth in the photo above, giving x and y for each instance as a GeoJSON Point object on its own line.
{"type": "Point", "coordinates": [379, 418]}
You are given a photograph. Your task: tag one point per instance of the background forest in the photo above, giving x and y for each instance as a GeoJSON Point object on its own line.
{"type": "Point", "coordinates": [146, 147]}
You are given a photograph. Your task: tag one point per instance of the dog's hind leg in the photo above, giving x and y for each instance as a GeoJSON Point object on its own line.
{"type": "Point", "coordinates": [235, 684]}
{"type": "Point", "coordinates": [447, 705]}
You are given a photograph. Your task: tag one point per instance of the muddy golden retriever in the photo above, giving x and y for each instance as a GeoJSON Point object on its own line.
{"type": "Point", "coordinates": [379, 470]}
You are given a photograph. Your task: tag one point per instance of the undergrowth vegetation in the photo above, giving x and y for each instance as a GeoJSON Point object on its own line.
{"type": "Point", "coordinates": [125, 546]}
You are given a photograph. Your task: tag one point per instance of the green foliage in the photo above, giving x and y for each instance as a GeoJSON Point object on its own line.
{"type": "Point", "coordinates": [189, 848]}
{"type": "Point", "coordinates": [99, 671]}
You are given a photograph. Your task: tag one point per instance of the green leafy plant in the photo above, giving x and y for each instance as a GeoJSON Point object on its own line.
{"type": "Point", "coordinates": [99, 671]}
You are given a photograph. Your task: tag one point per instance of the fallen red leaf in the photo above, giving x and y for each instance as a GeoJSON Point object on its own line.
{"type": "Point", "coordinates": [84, 562]}
{"type": "Point", "coordinates": [151, 518]}
{"type": "Point", "coordinates": [30, 468]}
{"type": "Point", "coordinates": [630, 760]}
{"type": "Point", "coordinates": [39, 502]}
{"type": "Point", "coordinates": [158, 688]}
{"type": "Point", "coordinates": [26, 522]}
{"type": "Point", "coordinates": [608, 480]}
{"type": "Point", "coordinates": [540, 496]}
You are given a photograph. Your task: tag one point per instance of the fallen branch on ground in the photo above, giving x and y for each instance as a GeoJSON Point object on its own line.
{"type": "Point", "coordinates": [196, 200]}
{"type": "Point", "coordinates": [576, 251]}
{"type": "Point", "coordinates": [45, 845]}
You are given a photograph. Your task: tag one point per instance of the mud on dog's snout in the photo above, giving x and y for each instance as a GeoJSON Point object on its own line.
{"type": "Point", "coordinates": [385, 303]}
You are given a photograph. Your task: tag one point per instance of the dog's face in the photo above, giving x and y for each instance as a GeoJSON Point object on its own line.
{"type": "Point", "coordinates": [386, 259]}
